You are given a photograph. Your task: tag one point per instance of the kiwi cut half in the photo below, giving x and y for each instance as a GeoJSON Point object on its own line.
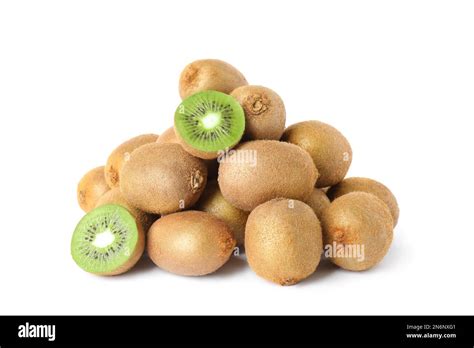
{"type": "Point", "coordinates": [107, 241]}
{"type": "Point", "coordinates": [209, 122]}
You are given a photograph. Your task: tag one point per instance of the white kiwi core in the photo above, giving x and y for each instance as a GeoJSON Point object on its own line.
{"type": "Point", "coordinates": [211, 120]}
{"type": "Point", "coordinates": [103, 239]}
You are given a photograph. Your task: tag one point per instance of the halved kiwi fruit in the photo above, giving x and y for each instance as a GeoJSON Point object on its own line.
{"type": "Point", "coordinates": [209, 122]}
{"type": "Point", "coordinates": [121, 154]}
{"type": "Point", "coordinates": [190, 243]}
{"type": "Point", "coordinates": [90, 188]}
{"type": "Point", "coordinates": [162, 178]}
{"type": "Point", "coordinates": [370, 186]}
{"type": "Point", "coordinates": [265, 113]}
{"type": "Point", "coordinates": [283, 241]}
{"type": "Point", "coordinates": [107, 241]}
{"type": "Point", "coordinates": [357, 221]}
{"type": "Point", "coordinates": [260, 170]}
{"type": "Point", "coordinates": [209, 74]}
{"type": "Point", "coordinates": [329, 149]}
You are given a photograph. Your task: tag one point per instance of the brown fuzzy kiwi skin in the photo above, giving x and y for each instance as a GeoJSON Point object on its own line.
{"type": "Point", "coordinates": [214, 203]}
{"type": "Point", "coordinates": [265, 114]}
{"type": "Point", "coordinates": [136, 254]}
{"type": "Point", "coordinates": [90, 188]}
{"type": "Point", "coordinates": [114, 196]}
{"type": "Point", "coordinates": [162, 178]}
{"type": "Point", "coordinates": [370, 186]}
{"type": "Point", "coordinates": [280, 170]}
{"type": "Point", "coordinates": [120, 155]}
{"type": "Point", "coordinates": [190, 243]}
{"type": "Point", "coordinates": [329, 149]}
{"type": "Point", "coordinates": [283, 241]}
{"type": "Point", "coordinates": [209, 74]}
{"type": "Point", "coordinates": [212, 155]}
{"type": "Point", "coordinates": [318, 201]}
{"type": "Point", "coordinates": [168, 136]}
{"type": "Point", "coordinates": [360, 219]}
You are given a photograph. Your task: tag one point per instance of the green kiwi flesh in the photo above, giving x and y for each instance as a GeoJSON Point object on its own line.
{"type": "Point", "coordinates": [209, 122]}
{"type": "Point", "coordinates": [107, 241]}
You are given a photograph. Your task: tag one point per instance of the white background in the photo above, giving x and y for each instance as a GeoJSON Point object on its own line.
{"type": "Point", "coordinates": [77, 78]}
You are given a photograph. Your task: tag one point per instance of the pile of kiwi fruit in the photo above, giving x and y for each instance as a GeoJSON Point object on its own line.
{"type": "Point", "coordinates": [227, 178]}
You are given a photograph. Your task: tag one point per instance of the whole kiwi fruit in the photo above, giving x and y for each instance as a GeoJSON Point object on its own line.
{"type": "Point", "coordinates": [114, 196]}
{"type": "Point", "coordinates": [265, 114]}
{"type": "Point", "coordinates": [329, 149]}
{"type": "Point", "coordinates": [370, 186]}
{"type": "Point", "coordinates": [318, 201]}
{"type": "Point", "coordinates": [168, 136]}
{"type": "Point", "coordinates": [283, 241]}
{"type": "Point", "coordinates": [260, 170]}
{"type": "Point", "coordinates": [90, 188]}
{"type": "Point", "coordinates": [107, 241]}
{"type": "Point", "coordinates": [190, 243]}
{"type": "Point", "coordinates": [120, 155]}
{"type": "Point", "coordinates": [209, 74]}
{"type": "Point", "coordinates": [162, 178]}
{"type": "Point", "coordinates": [213, 202]}
{"type": "Point", "coordinates": [359, 220]}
